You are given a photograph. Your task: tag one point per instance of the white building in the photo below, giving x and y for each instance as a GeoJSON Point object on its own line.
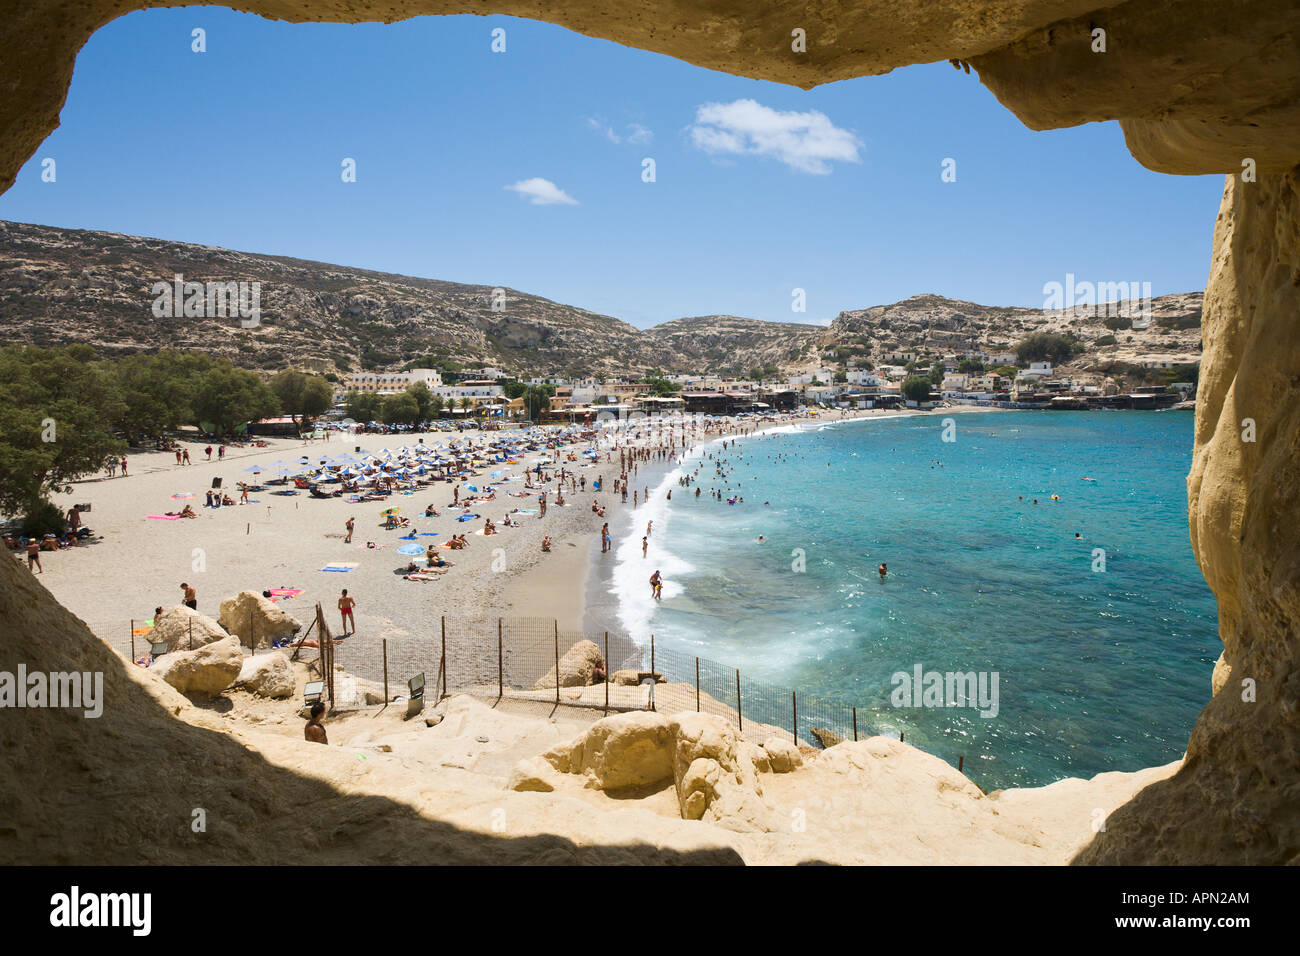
{"type": "Point", "coordinates": [389, 383]}
{"type": "Point", "coordinates": [861, 376]}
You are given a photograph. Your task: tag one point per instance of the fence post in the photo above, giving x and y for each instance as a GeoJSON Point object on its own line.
{"type": "Point", "coordinates": [501, 679]}
{"type": "Point", "coordinates": [697, 685]}
{"type": "Point", "coordinates": [740, 716]}
{"type": "Point", "coordinates": [855, 725]}
{"type": "Point", "coordinates": [133, 640]}
{"type": "Point", "coordinates": [607, 672]}
{"type": "Point", "coordinates": [653, 678]}
{"type": "Point", "coordinates": [385, 672]}
{"type": "Point", "coordinates": [960, 761]}
{"type": "Point", "coordinates": [556, 625]}
{"type": "Point", "coordinates": [443, 662]}
{"type": "Point", "coordinates": [794, 710]}
{"type": "Point", "coordinates": [900, 736]}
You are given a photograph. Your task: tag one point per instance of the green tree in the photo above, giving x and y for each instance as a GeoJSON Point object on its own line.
{"type": "Point", "coordinates": [660, 387]}
{"type": "Point", "coordinates": [916, 388]}
{"type": "Point", "coordinates": [1046, 347]}
{"type": "Point", "coordinates": [937, 373]}
{"type": "Point", "coordinates": [362, 406]}
{"type": "Point", "coordinates": [423, 400]}
{"type": "Point", "coordinates": [302, 395]}
{"type": "Point", "coordinates": [400, 409]}
{"type": "Point", "coordinates": [536, 399]}
{"type": "Point", "coordinates": [228, 397]}
{"type": "Point", "coordinates": [970, 365]}
{"type": "Point", "coordinates": [436, 404]}
{"type": "Point", "coordinates": [56, 406]}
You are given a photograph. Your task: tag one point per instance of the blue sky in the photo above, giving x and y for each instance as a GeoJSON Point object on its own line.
{"type": "Point", "coordinates": [755, 194]}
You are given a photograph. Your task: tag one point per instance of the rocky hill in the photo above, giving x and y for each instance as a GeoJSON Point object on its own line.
{"type": "Point", "coordinates": [62, 286]}
{"type": "Point", "coordinates": [934, 324]}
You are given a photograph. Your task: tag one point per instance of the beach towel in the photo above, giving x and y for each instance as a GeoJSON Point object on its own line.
{"type": "Point", "coordinates": [467, 517]}
{"type": "Point", "coordinates": [183, 495]}
{"type": "Point", "coordinates": [429, 534]}
{"type": "Point", "coordinates": [339, 566]}
{"type": "Point", "coordinates": [527, 511]}
{"type": "Point", "coordinates": [164, 517]}
{"type": "Point", "coordinates": [286, 592]}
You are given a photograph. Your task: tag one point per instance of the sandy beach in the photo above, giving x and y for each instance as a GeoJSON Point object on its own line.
{"type": "Point", "coordinates": [137, 563]}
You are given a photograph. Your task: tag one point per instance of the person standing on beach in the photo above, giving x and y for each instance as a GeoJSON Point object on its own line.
{"type": "Point", "coordinates": [604, 537]}
{"type": "Point", "coordinates": [186, 455]}
{"type": "Point", "coordinates": [645, 544]}
{"type": "Point", "coordinates": [351, 522]}
{"type": "Point", "coordinates": [346, 604]}
{"type": "Point", "coordinates": [209, 451]}
{"type": "Point", "coordinates": [315, 731]}
{"type": "Point", "coordinates": [34, 556]}
{"type": "Point", "coordinates": [648, 526]}
{"type": "Point", "coordinates": [656, 586]}
{"type": "Point", "coordinates": [124, 466]}
{"type": "Point", "coordinates": [541, 500]}
{"type": "Point", "coordinates": [74, 519]}
{"type": "Point", "coordinates": [178, 456]}
{"type": "Point", "coordinates": [221, 451]}
{"type": "Point", "coordinates": [191, 599]}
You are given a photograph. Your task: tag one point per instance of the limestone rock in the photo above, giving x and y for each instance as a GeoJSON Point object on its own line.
{"type": "Point", "coordinates": [577, 667]}
{"type": "Point", "coordinates": [626, 750]}
{"type": "Point", "coordinates": [206, 671]}
{"type": "Point", "coordinates": [784, 755]}
{"type": "Point", "coordinates": [757, 756]}
{"type": "Point", "coordinates": [1222, 674]}
{"type": "Point", "coordinates": [267, 675]}
{"type": "Point", "coordinates": [254, 618]}
{"type": "Point", "coordinates": [185, 629]}
{"type": "Point", "coordinates": [529, 775]}
{"type": "Point", "coordinates": [631, 678]}
{"type": "Point", "coordinates": [715, 779]}
{"type": "Point", "coordinates": [827, 738]}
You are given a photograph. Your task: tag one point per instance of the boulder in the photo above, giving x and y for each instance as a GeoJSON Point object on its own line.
{"type": "Point", "coordinates": [827, 738]}
{"type": "Point", "coordinates": [267, 675]}
{"type": "Point", "coordinates": [256, 620]}
{"type": "Point", "coordinates": [625, 750]}
{"type": "Point", "coordinates": [184, 629]}
{"type": "Point", "coordinates": [715, 778]}
{"type": "Point", "coordinates": [757, 756]}
{"type": "Point", "coordinates": [631, 678]}
{"type": "Point", "coordinates": [207, 670]}
{"type": "Point", "coordinates": [529, 775]}
{"type": "Point", "coordinates": [782, 754]}
{"type": "Point", "coordinates": [577, 667]}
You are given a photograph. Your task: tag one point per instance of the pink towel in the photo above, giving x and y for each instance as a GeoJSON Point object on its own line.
{"type": "Point", "coordinates": [165, 517]}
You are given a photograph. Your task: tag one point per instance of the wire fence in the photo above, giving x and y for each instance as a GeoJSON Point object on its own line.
{"type": "Point", "coordinates": [532, 659]}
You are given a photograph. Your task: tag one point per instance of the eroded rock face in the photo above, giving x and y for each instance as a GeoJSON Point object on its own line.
{"type": "Point", "coordinates": [1233, 801]}
{"type": "Point", "coordinates": [1196, 84]}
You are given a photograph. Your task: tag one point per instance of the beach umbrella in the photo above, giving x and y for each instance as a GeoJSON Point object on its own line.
{"type": "Point", "coordinates": [390, 511]}
{"type": "Point", "coordinates": [473, 488]}
{"type": "Point", "coordinates": [411, 549]}
{"type": "Point", "coordinates": [255, 469]}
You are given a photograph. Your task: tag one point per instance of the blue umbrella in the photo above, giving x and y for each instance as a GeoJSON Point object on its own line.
{"type": "Point", "coordinates": [411, 549]}
{"type": "Point", "coordinates": [255, 469]}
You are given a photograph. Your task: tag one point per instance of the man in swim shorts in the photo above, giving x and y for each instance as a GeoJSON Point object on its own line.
{"type": "Point", "coordinates": [346, 604]}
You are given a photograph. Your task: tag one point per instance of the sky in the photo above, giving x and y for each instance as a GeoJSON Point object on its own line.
{"type": "Point", "coordinates": [526, 169]}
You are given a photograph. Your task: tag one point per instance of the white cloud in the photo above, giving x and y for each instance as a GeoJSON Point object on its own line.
{"type": "Point", "coordinates": [633, 133]}
{"type": "Point", "coordinates": [808, 142]}
{"type": "Point", "coordinates": [636, 133]}
{"type": "Point", "coordinates": [542, 192]}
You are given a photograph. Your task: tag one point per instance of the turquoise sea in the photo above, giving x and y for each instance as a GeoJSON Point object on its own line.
{"type": "Point", "coordinates": [1102, 644]}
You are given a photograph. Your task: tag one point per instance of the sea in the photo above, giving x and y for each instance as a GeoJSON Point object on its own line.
{"type": "Point", "coordinates": [1044, 554]}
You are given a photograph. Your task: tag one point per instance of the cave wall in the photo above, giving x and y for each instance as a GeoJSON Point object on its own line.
{"type": "Point", "coordinates": [1236, 798]}
{"type": "Point", "coordinates": [1198, 86]}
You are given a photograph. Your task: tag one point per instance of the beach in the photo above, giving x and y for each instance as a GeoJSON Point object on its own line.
{"type": "Point", "coordinates": [137, 563]}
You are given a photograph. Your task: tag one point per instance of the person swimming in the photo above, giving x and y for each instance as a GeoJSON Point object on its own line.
{"type": "Point", "coordinates": [883, 569]}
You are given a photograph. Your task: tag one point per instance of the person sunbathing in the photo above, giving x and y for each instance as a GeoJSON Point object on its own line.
{"type": "Point", "coordinates": [431, 512]}
{"type": "Point", "coordinates": [489, 527]}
